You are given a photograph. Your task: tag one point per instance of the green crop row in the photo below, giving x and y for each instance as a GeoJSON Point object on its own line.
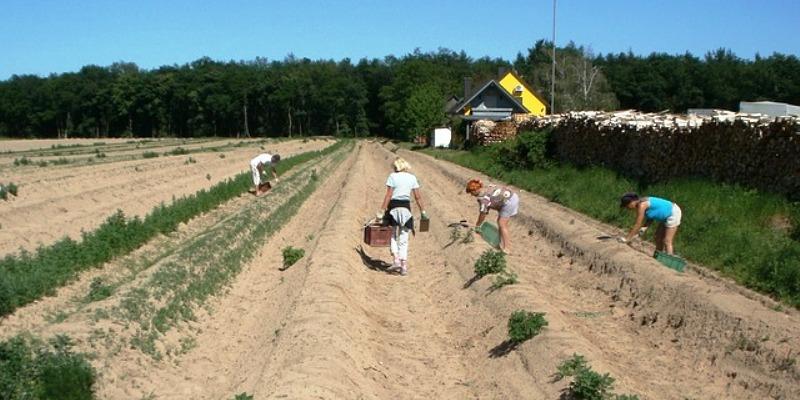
{"type": "Point", "coordinates": [27, 276]}
{"type": "Point", "coordinates": [204, 265]}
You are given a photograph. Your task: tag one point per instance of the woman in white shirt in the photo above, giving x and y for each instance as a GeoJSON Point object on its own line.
{"type": "Point", "coordinates": [396, 210]}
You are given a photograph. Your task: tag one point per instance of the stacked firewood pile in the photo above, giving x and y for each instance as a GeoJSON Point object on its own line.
{"type": "Point", "coordinates": [488, 132]}
{"type": "Point", "coordinates": [752, 150]}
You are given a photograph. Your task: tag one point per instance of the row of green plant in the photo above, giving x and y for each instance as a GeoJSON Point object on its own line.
{"type": "Point", "coordinates": [9, 188]}
{"type": "Point", "coordinates": [203, 266]}
{"type": "Point", "coordinates": [31, 369]}
{"type": "Point", "coordinates": [40, 163]}
{"type": "Point", "coordinates": [586, 383]}
{"type": "Point", "coordinates": [27, 276]}
{"type": "Point", "coordinates": [750, 236]}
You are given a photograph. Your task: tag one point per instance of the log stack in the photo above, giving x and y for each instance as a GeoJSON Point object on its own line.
{"type": "Point", "coordinates": [748, 149]}
{"type": "Point", "coordinates": [488, 132]}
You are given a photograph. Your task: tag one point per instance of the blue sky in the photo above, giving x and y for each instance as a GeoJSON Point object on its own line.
{"type": "Point", "coordinates": [42, 37]}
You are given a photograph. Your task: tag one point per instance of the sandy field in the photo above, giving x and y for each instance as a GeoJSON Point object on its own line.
{"type": "Point", "coordinates": [337, 325]}
{"type": "Point", "coordinates": [61, 200]}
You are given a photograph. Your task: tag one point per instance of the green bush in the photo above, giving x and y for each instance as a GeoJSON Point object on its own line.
{"type": "Point", "coordinates": [243, 396]}
{"type": "Point", "coordinates": [524, 325]}
{"type": "Point", "coordinates": [590, 385]}
{"type": "Point", "coordinates": [525, 151]}
{"type": "Point", "coordinates": [490, 262]}
{"type": "Point", "coordinates": [149, 154]}
{"type": "Point", "coordinates": [291, 256]}
{"type": "Point", "coordinates": [31, 369]}
{"type": "Point", "coordinates": [3, 192]}
{"type": "Point", "coordinates": [12, 188]}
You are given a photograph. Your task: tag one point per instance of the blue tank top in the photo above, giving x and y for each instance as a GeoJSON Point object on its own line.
{"type": "Point", "coordinates": [659, 209]}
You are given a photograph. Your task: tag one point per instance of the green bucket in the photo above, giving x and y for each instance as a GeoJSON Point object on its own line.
{"type": "Point", "coordinates": [673, 262]}
{"type": "Point", "coordinates": [490, 234]}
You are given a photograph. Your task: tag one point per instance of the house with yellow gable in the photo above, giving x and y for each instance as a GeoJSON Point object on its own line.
{"type": "Point", "coordinates": [502, 102]}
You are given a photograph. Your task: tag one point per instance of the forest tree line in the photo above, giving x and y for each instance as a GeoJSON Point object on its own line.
{"type": "Point", "coordinates": [396, 97]}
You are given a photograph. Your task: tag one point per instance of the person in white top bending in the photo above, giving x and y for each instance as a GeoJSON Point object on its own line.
{"type": "Point", "coordinates": [257, 166]}
{"type": "Point", "coordinates": [396, 210]}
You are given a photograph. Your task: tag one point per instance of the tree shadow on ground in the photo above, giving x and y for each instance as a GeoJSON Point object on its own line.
{"type": "Point", "coordinates": [502, 349]}
{"type": "Point", "coordinates": [373, 264]}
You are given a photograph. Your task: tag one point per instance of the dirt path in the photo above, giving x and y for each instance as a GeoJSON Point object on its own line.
{"type": "Point", "coordinates": [337, 326]}
{"type": "Point", "coordinates": [56, 202]}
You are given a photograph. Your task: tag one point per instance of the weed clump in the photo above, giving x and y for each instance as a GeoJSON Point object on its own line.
{"type": "Point", "coordinates": [291, 255]}
{"type": "Point", "coordinates": [98, 290]}
{"type": "Point", "coordinates": [588, 384]}
{"type": "Point", "coordinates": [490, 262]}
{"type": "Point", "coordinates": [149, 154]}
{"type": "Point", "coordinates": [524, 325]}
{"type": "Point", "coordinates": [503, 279]}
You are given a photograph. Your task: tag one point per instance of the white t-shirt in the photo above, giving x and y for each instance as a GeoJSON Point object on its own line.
{"type": "Point", "coordinates": [402, 183]}
{"type": "Point", "coordinates": [263, 158]}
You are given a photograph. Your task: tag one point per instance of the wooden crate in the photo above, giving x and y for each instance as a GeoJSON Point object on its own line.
{"type": "Point", "coordinates": [377, 235]}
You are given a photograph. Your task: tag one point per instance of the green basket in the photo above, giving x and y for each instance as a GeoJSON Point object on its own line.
{"type": "Point", "coordinates": [673, 262]}
{"type": "Point", "coordinates": [490, 234]}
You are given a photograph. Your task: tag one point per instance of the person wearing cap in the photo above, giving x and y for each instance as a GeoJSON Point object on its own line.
{"type": "Point", "coordinates": [396, 210]}
{"type": "Point", "coordinates": [649, 209]}
{"type": "Point", "coordinates": [257, 166]}
{"type": "Point", "coordinates": [499, 198]}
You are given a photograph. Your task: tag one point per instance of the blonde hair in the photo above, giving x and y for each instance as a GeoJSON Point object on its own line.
{"type": "Point", "coordinates": [400, 165]}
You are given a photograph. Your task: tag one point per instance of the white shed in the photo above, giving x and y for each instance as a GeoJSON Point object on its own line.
{"type": "Point", "coordinates": [441, 137]}
{"type": "Point", "coordinates": [770, 108]}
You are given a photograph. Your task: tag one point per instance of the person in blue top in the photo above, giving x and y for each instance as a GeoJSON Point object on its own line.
{"type": "Point", "coordinates": [649, 209]}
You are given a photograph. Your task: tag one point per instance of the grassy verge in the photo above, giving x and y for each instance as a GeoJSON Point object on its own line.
{"type": "Point", "coordinates": [750, 236]}
{"type": "Point", "coordinates": [27, 276]}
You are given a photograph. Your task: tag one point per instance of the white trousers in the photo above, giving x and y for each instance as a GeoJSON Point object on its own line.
{"type": "Point", "coordinates": [256, 174]}
{"type": "Point", "coordinates": [399, 243]}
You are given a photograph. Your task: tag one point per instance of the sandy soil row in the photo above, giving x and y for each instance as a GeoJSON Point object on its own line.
{"type": "Point", "coordinates": [32, 144]}
{"type": "Point", "coordinates": [56, 202]}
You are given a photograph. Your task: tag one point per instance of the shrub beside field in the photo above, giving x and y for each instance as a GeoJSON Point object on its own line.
{"type": "Point", "coordinates": [32, 369]}
{"type": "Point", "coordinates": [28, 276]}
{"type": "Point", "coordinates": [751, 236]}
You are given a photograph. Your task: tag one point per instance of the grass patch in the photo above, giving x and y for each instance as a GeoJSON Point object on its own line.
{"type": "Point", "coordinates": [291, 255]}
{"type": "Point", "coordinates": [99, 290]}
{"type": "Point", "coordinates": [27, 276]}
{"type": "Point", "coordinates": [33, 369]}
{"type": "Point", "coordinates": [149, 154]}
{"type": "Point", "coordinates": [750, 236]}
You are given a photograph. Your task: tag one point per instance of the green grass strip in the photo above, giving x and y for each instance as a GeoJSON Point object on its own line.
{"type": "Point", "coordinates": [29, 276]}
{"type": "Point", "coordinates": [750, 236]}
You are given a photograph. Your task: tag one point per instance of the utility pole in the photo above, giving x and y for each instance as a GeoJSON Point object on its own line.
{"type": "Point", "coordinates": [553, 72]}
